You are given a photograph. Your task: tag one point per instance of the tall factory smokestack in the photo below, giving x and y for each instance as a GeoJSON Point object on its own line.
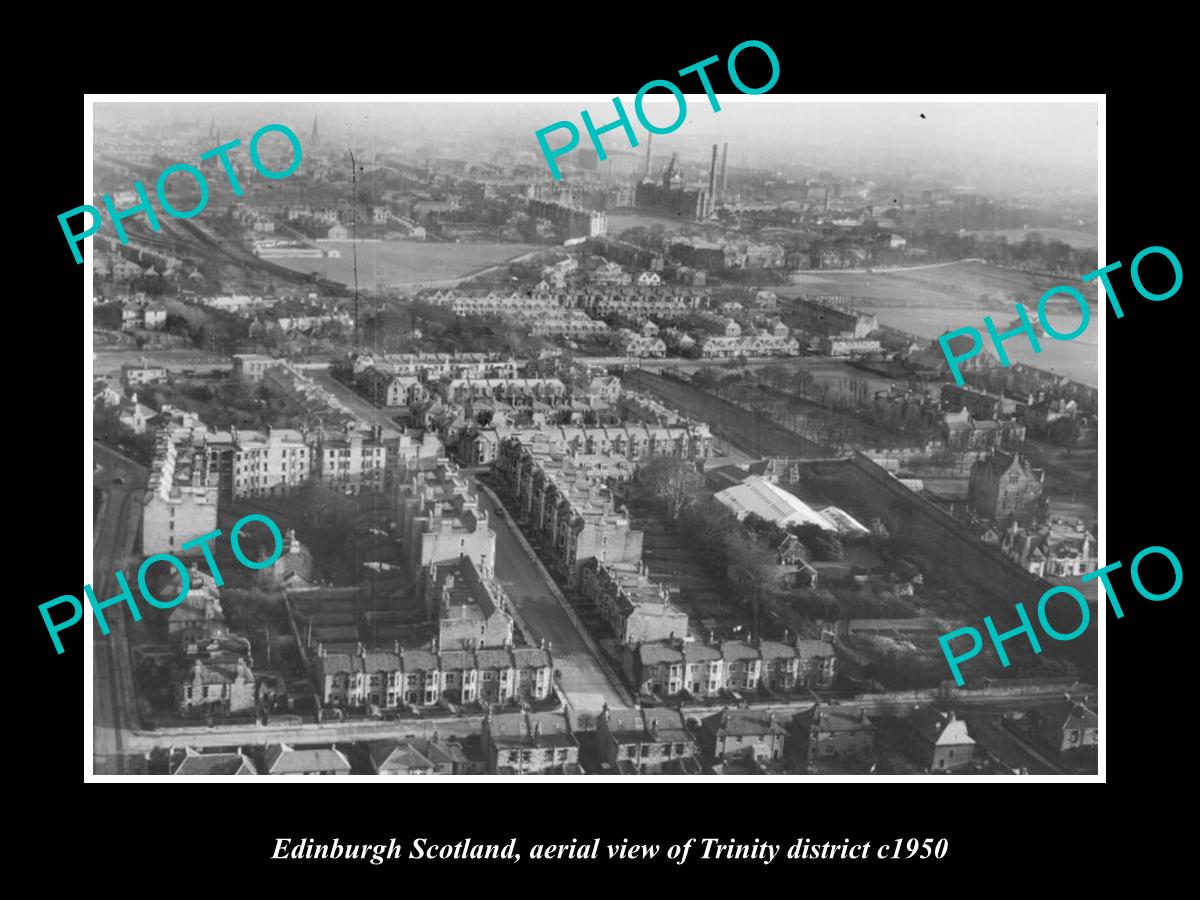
{"type": "Point", "coordinates": [724, 159]}
{"type": "Point", "coordinates": [649, 141]}
{"type": "Point", "coordinates": [712, 181]}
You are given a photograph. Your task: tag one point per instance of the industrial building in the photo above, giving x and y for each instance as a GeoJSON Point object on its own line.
{"type": "Point", "coordinates": [672, 198]}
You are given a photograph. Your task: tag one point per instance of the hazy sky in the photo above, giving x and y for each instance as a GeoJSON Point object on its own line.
{"type": "Point", "coordinates": [1021, 133]}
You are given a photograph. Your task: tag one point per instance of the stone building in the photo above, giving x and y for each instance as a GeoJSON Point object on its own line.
{"type": "Point", "coordinates": [646, 742]}
{"type": "Point", "coordinates": [1003, 485]}
{"type": "Point", "coordinates": [214, 687]}
{"type": "Point", "coordinates": [743, 735]}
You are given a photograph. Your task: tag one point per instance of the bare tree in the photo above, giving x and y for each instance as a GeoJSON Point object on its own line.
{"type": "Point", "coordinates": [672, 481]}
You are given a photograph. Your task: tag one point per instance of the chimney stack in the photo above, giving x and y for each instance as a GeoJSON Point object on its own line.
{"type": "Point", "coordinates": [712, 180]}
{"type": "Point", "coordinates": [724, 159]}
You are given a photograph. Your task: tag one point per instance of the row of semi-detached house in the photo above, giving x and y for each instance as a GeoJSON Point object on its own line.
{"type": "Point", "coordinates": [582, 298]}
{"type": "Point", "coordinates": [636, 442]}
{"type": "Point", "coordinates": [639, 307]}
{"type": "Point", "coordinates": [394, 678]}
{"type": "Point", "coordinates": [763, 344]}
{"type": "Point", "coordinates": [432, 366]}
{"type": "Point", "coordinates": [385, 386]}
{"type": "Point", "coordinates": [568, 508]}
{"type": "Point", "coordinates": [705, 670]}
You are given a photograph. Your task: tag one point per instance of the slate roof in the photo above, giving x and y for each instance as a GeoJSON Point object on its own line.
{"type": "Point", "coordinates": [530, 656]}
{"type": "Point", "coordinates": [493, 659]}
{"type": "Point", "coordinates": [811, 649]}
{"type": "Point", "coordinates": [387, 755]}
{"type": "Point", "coordinates": [282, 759]}
{"type": "Point", "coordinates": [776, 650]}
{"type": "Point", "coordinates": [696, 652]}
{"type": "Point", "coordinates": [827, 721]}
{"type": "Point", "coordinates": [738, 650]}
{"type": "Point", "coordinates": [215, 764]}
{"type": "Point", "coordinates": [938, 728]}
{"type": "Point", "coordinates": [744, 722]}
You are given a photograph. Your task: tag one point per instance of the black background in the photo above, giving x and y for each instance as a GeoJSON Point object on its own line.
{"type": "Point", "coordinates": [203, 837]}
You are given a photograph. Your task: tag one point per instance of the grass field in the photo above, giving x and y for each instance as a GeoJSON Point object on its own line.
{"type": "Point", "coordinates": [928, 301]}
{"type": "Point", "coordinates": [1078, 239]}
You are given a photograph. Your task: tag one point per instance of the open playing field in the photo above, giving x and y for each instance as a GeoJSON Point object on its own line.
{"type": "Point", "coordinates": [1077, 239]}
{"type": "Point", "coordinates": [928, 300]}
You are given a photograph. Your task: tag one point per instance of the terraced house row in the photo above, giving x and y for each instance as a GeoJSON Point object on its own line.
{"type": "Point", "coordinates": [391, 679]}
{"type": "Point", "coordinates": [635, 607]}
{"type": "Point", "coordinates": [570, 510]}
{"type": "Point", "coordinates": [669, 668]}
{"type": "Point", "coordinates": [636, 442]}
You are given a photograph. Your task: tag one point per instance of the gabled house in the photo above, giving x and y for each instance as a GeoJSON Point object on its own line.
{"type": "Point", "coordinates": [938, 740]}
{"type": "Point", "coordinates": [743, 735]}
{"type": "Point", "coordinates": [646, 742]}
{"type": "Point", "coordinates": [284, 759]}
{"type": "Point", "coordinates": [1067, 725]}
{"type": "Point", "coordinates": [530, 744]}
{"type": "Point", "coordinates": [196, 762]}
{"type": "Point", "coordinates": [399, 758]}
{"type": "Point", "coordinates": [837, 732]}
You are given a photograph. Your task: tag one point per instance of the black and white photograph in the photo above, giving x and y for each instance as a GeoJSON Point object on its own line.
{"type": "Point", "coordinates": [481, 437]}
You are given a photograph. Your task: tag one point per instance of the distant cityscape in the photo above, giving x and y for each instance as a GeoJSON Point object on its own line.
{"type": "Point", "coordinates": [656, 469]}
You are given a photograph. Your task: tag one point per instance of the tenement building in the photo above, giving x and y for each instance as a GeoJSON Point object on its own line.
{"type": "Point", "coordinates": [571, 511]}
{"type": "Point", "coordinates": [439, 520]}
{"type": "Point", "coordinates": [270, 463]}
{"type": "Point", "coordinates": [833, 317]}
{"type": "Point", "coordinates": [181, 498]}
{"type": "Point", "coordinates": [471, 609]}
{"type": "Point", "coordinates": [635, 608]}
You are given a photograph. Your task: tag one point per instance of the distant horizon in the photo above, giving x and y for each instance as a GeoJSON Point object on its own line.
{"type": "Point", "coordinates": [1016, 144]}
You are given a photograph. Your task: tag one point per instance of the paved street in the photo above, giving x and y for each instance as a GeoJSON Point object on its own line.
{"type": "Point", "coordinates": [583, 680]}
{"type": "Point", "coordinates": [114, 701]}
{"type": "Point", "coordinates": [357, 404]}
{"type": "Point", "coordinates": [256, 735]}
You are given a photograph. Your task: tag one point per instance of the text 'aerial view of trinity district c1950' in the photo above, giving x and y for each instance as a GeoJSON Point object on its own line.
{"type": "Point", "coordinates": [654, 469]}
